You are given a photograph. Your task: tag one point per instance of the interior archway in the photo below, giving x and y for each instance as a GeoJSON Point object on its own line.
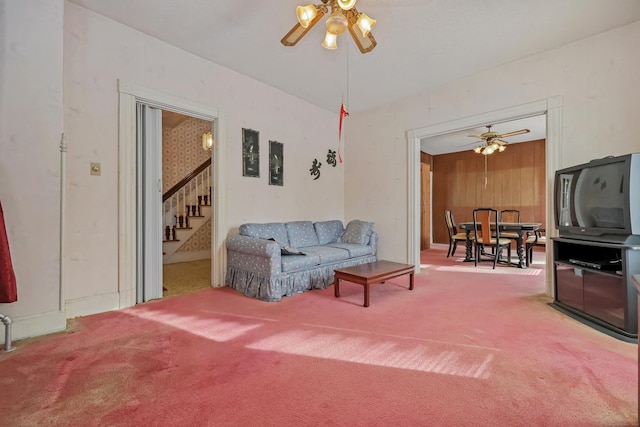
{"type": "Point", "coordinates": [552, 107]}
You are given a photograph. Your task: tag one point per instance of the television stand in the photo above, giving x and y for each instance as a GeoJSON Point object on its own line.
{"type": "Point", "coordinates": [593, 284]}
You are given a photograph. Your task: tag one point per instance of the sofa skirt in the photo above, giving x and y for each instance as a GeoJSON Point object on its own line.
{"type": "Point", "coordinates": [273, 288]}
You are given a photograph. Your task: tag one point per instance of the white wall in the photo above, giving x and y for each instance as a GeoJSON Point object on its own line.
{"type": "Point", "coordinates": [97, 54]}
{"type": "Point", "coordinates": [597, 78]}
{"type": "Point", "coordinates": [31, 125]}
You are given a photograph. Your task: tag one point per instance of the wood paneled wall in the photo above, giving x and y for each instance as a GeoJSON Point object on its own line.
{"type": "Point", "coordinates": [515, 179]}
{"type": "Point", "coordinates": [425, 201]}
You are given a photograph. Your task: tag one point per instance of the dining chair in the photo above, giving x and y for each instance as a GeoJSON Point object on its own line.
{"type": "Point", "coordinates": [510, 215]}
{"type": "Point", "coordinates": [487, 234]}
{"type": "Point", "coordinates": [454, 235]}
{"type": "Point", "coordinates": [534, 238]}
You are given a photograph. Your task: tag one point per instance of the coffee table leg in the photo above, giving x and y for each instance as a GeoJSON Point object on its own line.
{"type": "Point", "coordinates": [366, 295]}
{"type": "Point", "coordinates": [336, 287]}
{"type": "Point", "coordinates": [410, 281]}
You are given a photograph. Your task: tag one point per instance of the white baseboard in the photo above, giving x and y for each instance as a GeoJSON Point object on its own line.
{"type": "Point", "coordinates": [186, 256]}
{"type": "Point", "coordinates": [93, 305]}
{"type": "Point", "coordinates": [36, 325]}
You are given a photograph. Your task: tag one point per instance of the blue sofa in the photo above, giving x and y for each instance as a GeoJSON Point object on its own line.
{"type": "Point", "coordinates": [272, 260]}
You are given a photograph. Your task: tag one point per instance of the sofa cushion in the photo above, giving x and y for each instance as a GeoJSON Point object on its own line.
{"type": "Point", "coordinates": [328, 254]}
{"type": "Point", "coordinates": [328, 231]}
{"type": "Point", "coordinates": [354, 249]}
{"type": "Point", "coordinates": [272, 230]}
{"type": "Point", "coordinates": [357, 232]}
{"type": "Point", "coordinates": [299, 262]}
{"type": "Point", "coordinates": [301, 234]}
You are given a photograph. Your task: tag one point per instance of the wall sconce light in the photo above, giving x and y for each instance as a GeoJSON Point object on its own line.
{"type": "Point", "coordinates": [207, 141]}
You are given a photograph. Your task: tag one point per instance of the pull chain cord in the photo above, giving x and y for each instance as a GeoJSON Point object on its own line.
{"type": "Point", "coordinates": [347, 101]}
{"type": "Point", "coordinates": [485, 170]}
{"type": "Point", "coordinates": [343, 108]}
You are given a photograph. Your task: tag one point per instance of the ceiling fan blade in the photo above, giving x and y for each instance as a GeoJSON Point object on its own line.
{"type": "Point", "coordinates": [365, 44]}
{"type": "Point", "coordinates": [500, 141]}
{"type": "Point", "coordinates": [298, 31]}
{"type": "Point", "coordinates": [517, 132]}
{"type": "Point", "coordinates": [476, 136]}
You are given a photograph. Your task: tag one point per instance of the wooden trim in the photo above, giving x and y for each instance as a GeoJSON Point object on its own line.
{"type": "Point", "coordinates": [173, 190]}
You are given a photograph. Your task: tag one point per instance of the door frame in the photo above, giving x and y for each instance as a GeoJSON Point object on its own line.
{"type": "Point", "coordinates": [551, 107]}
{"type": "Point", "coordinates": [129, 95]}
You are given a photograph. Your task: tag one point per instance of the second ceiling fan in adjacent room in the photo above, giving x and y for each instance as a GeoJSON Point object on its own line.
{"type": "Point", "coordinates": [492, 141]}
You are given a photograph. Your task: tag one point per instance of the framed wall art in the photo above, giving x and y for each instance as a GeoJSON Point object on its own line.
{"type": "Point", "coordinates": [250, 153]}
{"type": "Point", "coordinates": [276, 163]}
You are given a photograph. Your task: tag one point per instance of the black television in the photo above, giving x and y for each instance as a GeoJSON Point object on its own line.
{"type": "Point", "coordinates": [600, 200]}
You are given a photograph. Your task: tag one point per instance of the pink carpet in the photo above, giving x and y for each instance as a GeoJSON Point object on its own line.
{"type": "Point", "coordinates": [468, 346]}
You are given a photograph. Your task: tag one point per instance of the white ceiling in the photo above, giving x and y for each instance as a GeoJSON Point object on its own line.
{"type": "Point", "coordinates": [460, 141]}
{"type": "Point", "coordinates": [422, 44]}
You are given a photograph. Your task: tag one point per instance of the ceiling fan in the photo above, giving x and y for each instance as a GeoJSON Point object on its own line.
{"type": "Point", "coordinates": [492, 140]}
{"type": "Point", "coordinates": [344, 16]}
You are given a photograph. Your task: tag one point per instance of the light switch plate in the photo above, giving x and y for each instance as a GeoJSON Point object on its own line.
{"type": "Point", "coordinates": [96, 169]}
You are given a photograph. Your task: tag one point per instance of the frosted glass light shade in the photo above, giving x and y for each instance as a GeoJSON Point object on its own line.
{"type": "Point", "coordinates": [365, 24]}
{"type": "Point", "coordinates": [207, 141]}
{"type": "Point", "coordinates": [306, 14]}
{"type": "Point", "coordinates": [336, 23]}
{"type": "Point", "coordinates": [330, 41]}
{"type": "Point", "coordinates": [346, 4]}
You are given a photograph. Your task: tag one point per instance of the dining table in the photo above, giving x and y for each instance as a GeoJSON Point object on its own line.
{"type": "Point", "coordinates": [520, 228]}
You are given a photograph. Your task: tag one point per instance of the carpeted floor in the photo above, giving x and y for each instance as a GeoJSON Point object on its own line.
{"type": "Point", "coordinates": [469, 346]}
{"type": "Point", "coordinates": [186, 277]}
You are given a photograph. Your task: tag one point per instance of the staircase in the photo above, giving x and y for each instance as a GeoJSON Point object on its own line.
{"type": "Point", "coordinates": [186, 207]}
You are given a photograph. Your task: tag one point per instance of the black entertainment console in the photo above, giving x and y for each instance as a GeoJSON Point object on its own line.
{"type": "Point", "coordinates": [593, 284]}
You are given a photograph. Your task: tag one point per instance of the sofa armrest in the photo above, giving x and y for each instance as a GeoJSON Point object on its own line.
{"type": "Point", "coordinates": [253, 246]}
{"type": "Point", "coordinates": [373, 242]}
{"type": "Point", "coordinates": [259, 256]}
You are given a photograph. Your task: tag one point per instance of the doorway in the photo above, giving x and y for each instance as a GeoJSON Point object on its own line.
{"type": "Point", "coordinates": [186, 204]}
{"type": "Point", "coordinates": [552, 107]}
{"type": "Point", "coordinates": [130, 262]}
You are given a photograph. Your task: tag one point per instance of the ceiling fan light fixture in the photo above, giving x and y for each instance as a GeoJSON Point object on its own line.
{"type": "Point", "coordinates": [488, 150]}
{"type": "Point", "coordinates": [346, 4]}
{"type": "Point", "coordinates": [365, 24]}
{"type": "Point", "coordinates": [502, 148]}
{"type": "Point", "coordinates": [478, 149]}
{"type": "Point", "coordinates": [337, 22]}
{"type": "Point", "coordinates": [330, 41]}
{"type": "Point", "coordinates": [343, 16]}
{"type": "Point", "coordinates": [306, 14]}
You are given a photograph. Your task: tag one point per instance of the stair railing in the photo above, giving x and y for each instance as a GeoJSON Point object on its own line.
{"type": "Point", "coordinates": [185, 199]}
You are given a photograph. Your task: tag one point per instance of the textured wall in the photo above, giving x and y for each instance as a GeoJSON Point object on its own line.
{"type": "Point", "coordinates": [182, 150]}
{"type": "Point", "coordinates": [31, 126]}
{"type": "Point", "coordinates": [596, 77]}
{"type": "Point", "coordinates": [98, 53]}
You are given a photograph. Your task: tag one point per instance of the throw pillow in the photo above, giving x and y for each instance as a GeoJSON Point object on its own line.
{"type": "Point", "coordinates": [328, 231]}
{"type": "Point", "coordinates": [357, 232]}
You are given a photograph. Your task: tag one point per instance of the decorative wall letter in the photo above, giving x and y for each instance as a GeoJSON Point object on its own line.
{"type": "Point", "coordinates": [315, 169]}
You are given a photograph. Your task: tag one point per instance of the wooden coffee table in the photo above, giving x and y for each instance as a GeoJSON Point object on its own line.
{"type": "Point", "coordinates": [370, 274]}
